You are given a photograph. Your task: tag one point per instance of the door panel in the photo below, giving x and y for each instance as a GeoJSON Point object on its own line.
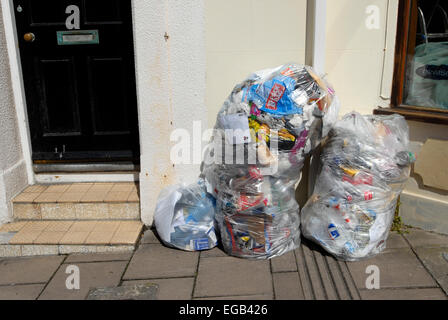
{"type": "Point", "coordinates": [81, 97]}
{"type": "Point", "coordinates": [108, 96]}
{"type": "Point", "coordinates": [56, 92]}
{"type": "Point", "coordinates": [103, 12]}
{"type": "Point", "coordinates": [47, 12]}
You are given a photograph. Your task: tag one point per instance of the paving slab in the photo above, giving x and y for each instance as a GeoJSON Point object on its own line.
{"type": "Point", "coordinates": [92, 275]}
{"type": "Point", "coordinates": [399, 268]}
{"type": "Point", "coordinates": [229, 276]}
{"type": "Point", "coordinates": [287, 286]}
{"type": "Point", "coordinates": [169, 289]}
{"type": "Point", "coordinates": [152, 261]}
{"type": "Point", "coordinates": [284, 263]}
{"type": "Point", "coordinates": [213, 253]}
{"type": "Point", "coordinates": [312, 271]}
{"type": "Point", "coordinates": [134, 292]}
{"type": "Point", "coordinates": [404, 294]}
{"type": "Point", "coordinates": [98, 257]}
{"type": "Point", "coordinates": [303, 273]}
{"type": "Point", "coordinates": [421, 238]}
{"type": "Point", "coordinates": [322, 276]}
{"type": "Point", "coordinates": [326, 276]}
{"type": "Point", "coordinates": [28, 270]}
{"type": "Point", "coordinates": [342, 279]}
{"type": "Point", "coordinates": [436, 261]}
{"type": "Point", "coordinates": [396, 241]}
{"type": "Point", "coordinates": [21, 292]}
{"type": "Point", "coordinates": [150, 237]}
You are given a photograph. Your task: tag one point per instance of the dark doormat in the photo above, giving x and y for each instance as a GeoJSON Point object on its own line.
{"type": "Point", "coordinates": [136, 292]}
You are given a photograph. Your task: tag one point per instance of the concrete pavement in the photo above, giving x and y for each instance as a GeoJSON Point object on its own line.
{"type": "Point", "coordinates": [412, 267]}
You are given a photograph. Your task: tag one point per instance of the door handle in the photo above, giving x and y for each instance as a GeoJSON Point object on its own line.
{"type": "Point", "coordinates": [29, 37]}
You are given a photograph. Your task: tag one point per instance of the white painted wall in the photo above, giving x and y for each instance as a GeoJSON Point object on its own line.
{"type": "Point", "coordinates": [13, 177]}
{"type": "Point", "coordinates": [170, 88]}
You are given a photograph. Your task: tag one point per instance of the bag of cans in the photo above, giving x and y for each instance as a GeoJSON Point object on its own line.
{"type": "Point", "coordinates": [263, 131]}
{"type": "Point", "coordinates": [184, 217]}
{"type": "Point", "coordinates": [364, 165]}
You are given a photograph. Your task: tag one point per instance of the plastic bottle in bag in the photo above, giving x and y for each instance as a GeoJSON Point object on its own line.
{"type": "Point", "coordinates": [364, 165]}
{"type": "Point", "coordinates": [281, 115]}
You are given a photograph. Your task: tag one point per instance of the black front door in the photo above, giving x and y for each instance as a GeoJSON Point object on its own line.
{"type": "Point", "coordinates": [78, 69]}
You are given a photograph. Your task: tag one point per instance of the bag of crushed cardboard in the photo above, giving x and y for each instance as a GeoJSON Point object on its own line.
{"type": "Point", "coordinates": [364, 165]}
{"type": "Point", "coordinates": [252, 166]}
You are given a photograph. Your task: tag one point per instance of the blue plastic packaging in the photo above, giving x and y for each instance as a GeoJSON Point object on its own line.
{"type": "Point", "coordinates": [274, 96]}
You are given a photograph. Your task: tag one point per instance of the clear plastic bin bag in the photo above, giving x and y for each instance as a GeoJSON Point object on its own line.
{"type": "Point", "coordinates": [262, 134]}
{"type": "Point", "coordinates": [364, 165]}
{"type": "Point", "coordinates": [184, 217]}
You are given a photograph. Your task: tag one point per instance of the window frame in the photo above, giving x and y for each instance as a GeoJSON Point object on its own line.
{"type": "Point", "coordinates": [406, 31]}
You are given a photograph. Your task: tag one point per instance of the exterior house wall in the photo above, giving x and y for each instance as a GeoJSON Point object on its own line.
{"type": "Point", "coordinates": [360, 48]}
{"type": "Point", "coordinates": [189, 54]}
{"type": "Point", "coordinates": [13, 177]}
{"type": "Point", "coordinates": [170, 59]}
{"type": "Point", "coordinates": [170, 65]}
{"type": "Point", "coordinates": [243, 36]}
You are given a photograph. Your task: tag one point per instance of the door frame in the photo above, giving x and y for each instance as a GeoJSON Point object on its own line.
{"type": "Point", "coordinates": [22, 113]}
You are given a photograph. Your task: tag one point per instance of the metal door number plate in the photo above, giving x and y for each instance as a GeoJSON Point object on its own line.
{"type": "Point", "coordinates": [78, 37]}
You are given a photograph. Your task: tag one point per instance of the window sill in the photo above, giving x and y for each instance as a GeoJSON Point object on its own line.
{"type": "Point", "coordinates": [416, 115]}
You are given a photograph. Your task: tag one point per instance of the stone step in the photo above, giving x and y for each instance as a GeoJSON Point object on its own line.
{"type": "Point", "coordinates": [30, 238]}
{"type": "Point", "coordinates": [78, 201]}
{"type": "Point", "coordinates": [424, 209]}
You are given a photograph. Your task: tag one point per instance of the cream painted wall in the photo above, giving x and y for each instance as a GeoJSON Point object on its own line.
{"type": "Point", "coordinates": [243, 36]}
{"type": "Point", "coordinates": [356, 54]}
{"type": "Point", "coordinates": [247, 35]}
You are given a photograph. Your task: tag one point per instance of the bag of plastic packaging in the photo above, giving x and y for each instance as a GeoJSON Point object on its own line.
{"type": "Point", "coordinates": [184, 217]}
{"type": "Point", "coordinates": [262, 134]}
{"type": "Point", "coordinates": [364, 165]}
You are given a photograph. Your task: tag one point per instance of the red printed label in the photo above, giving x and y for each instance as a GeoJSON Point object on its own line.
{"type": "Point", "coordinates": [246, 202]}
{"type": "Point", "coordinates": [368, 195]}
{"type": "Point", "coordinates": [287, 72]}
{"type": "Point", "coordinates": [367, 180]}
{"type": "Point", "coordinates": [255, 173]}
{"type": "Point", "coordinates": [276, 94]}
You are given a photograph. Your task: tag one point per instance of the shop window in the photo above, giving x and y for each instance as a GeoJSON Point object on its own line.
{"type": "Point", "coordinates": [420, 86]}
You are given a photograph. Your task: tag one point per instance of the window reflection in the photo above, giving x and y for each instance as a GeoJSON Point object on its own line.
{"type": "Point", "coordinates": [427, 66]}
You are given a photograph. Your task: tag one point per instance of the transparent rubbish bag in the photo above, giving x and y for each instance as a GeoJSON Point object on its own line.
{"type": "Point", "coordinates": [184, 217]}
{"type": "Point", "coordinates": [252, 165]}
{"type": "Point", "coordinates": [364, 165]}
